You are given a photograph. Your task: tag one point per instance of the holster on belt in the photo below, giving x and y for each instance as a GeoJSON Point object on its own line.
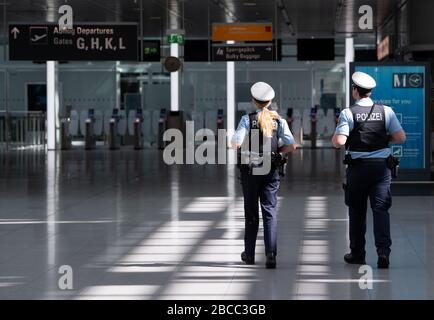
{"type": "Point", "coordinates": [393, 164]}
{"type": "Point", "coordinates": [278, 161]}
{"type": "Point", "coordinates": [348, 160]}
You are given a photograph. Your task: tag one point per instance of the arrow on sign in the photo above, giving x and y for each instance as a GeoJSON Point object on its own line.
{"type": "Point", "coordinates": [15, 32]}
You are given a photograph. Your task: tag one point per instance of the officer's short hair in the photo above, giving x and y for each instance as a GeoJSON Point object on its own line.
{"type": "Point", "coordinates": [362, 91]}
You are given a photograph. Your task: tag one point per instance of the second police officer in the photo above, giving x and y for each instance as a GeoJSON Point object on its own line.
{"type": "Point", "coordinates": [366, 130]}
{"type": "Point", "coordinates": [262, 185]}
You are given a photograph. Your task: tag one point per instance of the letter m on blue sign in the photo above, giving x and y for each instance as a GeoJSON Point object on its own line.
{"type": "Point", "coordinates": [408, 80]}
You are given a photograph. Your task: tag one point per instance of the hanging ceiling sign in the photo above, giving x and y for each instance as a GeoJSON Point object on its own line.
{"type": "Point", "coordinates": [151, 50]}
{"type": "Point", "coordinates": [242, 32]}
{"type": "Point", "coordinates": [42, 42]}
{"type": "Point", "coordinates": [175, 38]}
{"type": "Point", "coordinates": [253, 52]}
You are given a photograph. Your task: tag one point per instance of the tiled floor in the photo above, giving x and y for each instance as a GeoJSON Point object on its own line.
{"type": "Point", "coordinates": [132, 228]}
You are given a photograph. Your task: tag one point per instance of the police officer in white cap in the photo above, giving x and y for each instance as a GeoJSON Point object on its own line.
{"type": "Point", "coordinates": [366, 129]}
{"type": "Point", "coordinates": [264, 125]}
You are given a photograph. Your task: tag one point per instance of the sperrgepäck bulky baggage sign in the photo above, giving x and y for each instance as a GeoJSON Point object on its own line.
{"type": "Point", "coordinates": [42, 42]}
{"type": "Point", "coordinates": [243, 52]}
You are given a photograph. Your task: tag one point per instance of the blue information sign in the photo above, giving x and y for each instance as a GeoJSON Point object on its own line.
{"type": "Point", "coordinates": [402, 87]}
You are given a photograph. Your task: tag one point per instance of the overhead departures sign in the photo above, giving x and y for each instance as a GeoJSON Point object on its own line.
{"type": "Point", "coordinates": [404, 88]}
{"type": "Point", "coordinates": [242, 32]}
{"type": "Point", "coordinates": [83, 42]}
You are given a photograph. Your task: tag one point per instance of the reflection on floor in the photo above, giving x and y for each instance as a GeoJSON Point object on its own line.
{"type": "Point", "coordinates": [132, 228]}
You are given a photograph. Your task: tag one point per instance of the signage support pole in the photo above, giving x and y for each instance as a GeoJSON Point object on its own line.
{"type": "Point", "coordinates": [349, 57]}
{"type": "Point", "coordinates": [230, 97]}
{"type": "Point", "coordinates": [174, 80]}
{"type": "Point", "coordinates": [5, 30]}
{"type": "Point", "coordinates": [52, 104]}
{"type": "Point", "coordinates": [6, 79]}
{"type": "Point", "coordinates": [7, 115]}
{"type": "Point", "coordinates": [141, 31]}
{"type": "Point", "coordinates": [274, 31]}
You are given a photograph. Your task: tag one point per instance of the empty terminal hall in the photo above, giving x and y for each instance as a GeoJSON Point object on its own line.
{"type": "Point", "coordinates": [217, 150]}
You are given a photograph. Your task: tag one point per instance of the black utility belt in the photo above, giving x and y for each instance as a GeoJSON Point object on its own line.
{"type": "Point", "coordinates": [348, 160]}
{"type": "Point", "coordinates": [275, 157]}
{"type": "Point", "coordinates": [278, 162]}
{"type": "Point", "coordinates": [391, 162]}
{"type": "Point", "coordinates": [254, 165]}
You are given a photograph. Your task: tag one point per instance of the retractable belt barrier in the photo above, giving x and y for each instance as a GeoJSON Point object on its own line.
{"type": "Point", "coordinates": [313, 132]}
{"type": "Point", "coordinates": [220, 119]}
{"type": "Point", "coordinates": [289, 117]}
{"type": "Point", "coordinates": [65, 138]}
{"type": "Point", "coordinates": [162, 127]}
{"type": "Point", "coordinates": [113, 130]}
{"type": "Point", "coordinates": [138, 133]}
{"type": "Point", "coordinates": [90, 140]}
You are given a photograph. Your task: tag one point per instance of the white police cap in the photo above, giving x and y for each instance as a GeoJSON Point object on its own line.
{"type": "Point", "coordinates": [363, 80]}
{"type": "Point", "coordinates": [262, 91]}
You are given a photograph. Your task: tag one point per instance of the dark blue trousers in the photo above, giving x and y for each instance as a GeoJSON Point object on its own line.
{"type": "Point", "coordinates": [263, 188]}
{"type": "Point", "coordinates": [369, 180]}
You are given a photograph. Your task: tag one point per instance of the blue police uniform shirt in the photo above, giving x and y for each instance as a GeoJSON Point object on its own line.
{"type": "Point", "coordinates": [243, 129]}
{"type": "Point", "coordinates": [346, 125]}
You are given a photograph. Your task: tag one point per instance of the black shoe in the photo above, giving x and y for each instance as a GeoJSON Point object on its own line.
{"type": "Point", "coordinates": [271, 261]}
{"type": "Point", "coordinates": [353, 259]}
{"type": "Point", "coordinates": [247, 259]}
{"type": "Point", "coordinates": [383, 262]}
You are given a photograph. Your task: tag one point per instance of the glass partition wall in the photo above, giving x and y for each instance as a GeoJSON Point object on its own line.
{"type": "Point", "coordinates": [104, 86]}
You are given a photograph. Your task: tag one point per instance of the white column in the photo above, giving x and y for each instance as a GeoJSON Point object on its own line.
{"type": "Point", "coordinates": [230, 97]}
{"type": "Point", "coordinates": [349, 57]}
{"type": "Point", "coordinates": [52, 209]}
{"type": "Point", "coordinates": [52, 104]}
{"type": "Point", "coordinates": [174, 80]}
